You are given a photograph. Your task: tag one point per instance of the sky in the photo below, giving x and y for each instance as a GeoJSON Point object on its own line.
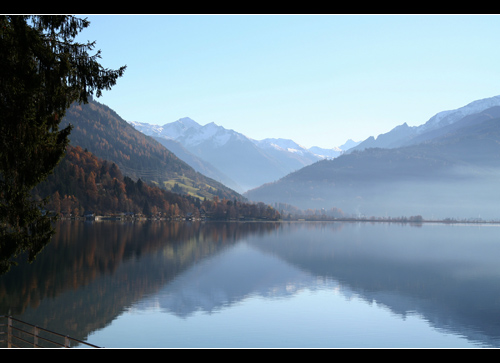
{"type": "Point", "coordinates": [316, 79]}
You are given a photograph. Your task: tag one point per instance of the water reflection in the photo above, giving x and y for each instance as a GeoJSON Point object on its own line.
{"type": "Point", "coordinates": [448, 274]}
{"type": "Point", "coordinates": [91, 272]}
{"type": "Point", "coordinates": [94, 272]}
{"type": "Point", "coordinates": [227, 279]}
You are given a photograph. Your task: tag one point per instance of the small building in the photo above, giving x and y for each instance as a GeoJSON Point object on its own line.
{"type": "Point", "coordinates": [89, 215]}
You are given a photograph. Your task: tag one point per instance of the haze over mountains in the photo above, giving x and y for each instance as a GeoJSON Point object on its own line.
{"type": "Point", "coordinates": [231, 157]}
{"type": "Point", "coordinates": [447, 168]}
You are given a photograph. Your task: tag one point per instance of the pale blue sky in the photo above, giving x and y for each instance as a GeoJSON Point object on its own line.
{"type": "Point", "coordinates": [316, 79]}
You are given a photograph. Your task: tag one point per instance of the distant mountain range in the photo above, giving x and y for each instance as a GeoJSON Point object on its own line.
{"type": "Point", "coordinates": [231, 157]}
{"type": "Point", "coordinates": [442, 122]}
{"type": "Point", "coordinates": [447, 168]}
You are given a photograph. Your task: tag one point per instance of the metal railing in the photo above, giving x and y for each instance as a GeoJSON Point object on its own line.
{"type": "Point", "coordinates": [15, 333]}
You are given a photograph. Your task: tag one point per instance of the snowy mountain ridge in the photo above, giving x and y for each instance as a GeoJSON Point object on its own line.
{"type": "Point", "coordinates": [248, 162]}
{"type": "Point", "coordinates": [403, 134]}
{"type": "Point", "coordinates": [451, 116]}
{"type": "Point", "coordinates": [190, 133]}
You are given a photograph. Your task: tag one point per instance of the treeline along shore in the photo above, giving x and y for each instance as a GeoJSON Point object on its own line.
{"type": "Point", "coordinates": [85, 187]}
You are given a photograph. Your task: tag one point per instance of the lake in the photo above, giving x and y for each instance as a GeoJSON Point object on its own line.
{"type": "Point", "coordinates": [157, 284]}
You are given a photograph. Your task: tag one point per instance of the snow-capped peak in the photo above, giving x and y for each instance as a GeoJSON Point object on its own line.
{"type": "Point", "coordinates": [450, 116]}
{"type": "Point", "coordinates": [187, 123]}
{"type": "Point", "coordinates": [146, 128]}
{"type": "Point", "coordinates": [217, 134]}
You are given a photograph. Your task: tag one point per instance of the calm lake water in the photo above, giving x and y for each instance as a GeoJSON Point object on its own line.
{"type": "Point", "coordinates": [311, 284]}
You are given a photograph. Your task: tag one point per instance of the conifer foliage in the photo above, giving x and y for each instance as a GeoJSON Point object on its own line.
{"type": "Point", "coordinates": [42, 72]}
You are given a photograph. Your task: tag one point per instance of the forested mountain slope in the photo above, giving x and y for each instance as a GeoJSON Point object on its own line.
{"type": "Point", "coordinates": [98, 129]}
{"type": "Point", "coordinates": [83, 183]}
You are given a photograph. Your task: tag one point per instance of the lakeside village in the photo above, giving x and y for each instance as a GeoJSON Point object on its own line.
{"type": "Point", "coordinates": [298, 216]}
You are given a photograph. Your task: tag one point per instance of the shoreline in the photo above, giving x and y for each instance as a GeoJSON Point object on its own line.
{"type": "Point", "coordinates": [400, 220]}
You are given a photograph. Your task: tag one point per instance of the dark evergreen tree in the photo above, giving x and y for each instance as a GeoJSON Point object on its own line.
{"type": "Point", "coordinates": [42, 72]}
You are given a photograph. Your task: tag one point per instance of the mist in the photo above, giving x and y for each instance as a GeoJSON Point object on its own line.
{"type": "Point", "coordinates": [460, 192]}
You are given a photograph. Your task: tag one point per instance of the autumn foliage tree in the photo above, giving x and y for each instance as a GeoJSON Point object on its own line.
{"type": "Point", "coordinates": [83, 182]}
{"type": "Point", "coordinates": [42, 72]}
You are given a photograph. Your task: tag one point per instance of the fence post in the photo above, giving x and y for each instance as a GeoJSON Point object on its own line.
{"type": "Point", "coordinates": [35, 336]}
{"type": "Point", "coordinates": [9, 332]}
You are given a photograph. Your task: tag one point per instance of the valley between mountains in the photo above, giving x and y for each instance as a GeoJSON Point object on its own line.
{"type": "Point", "coordinates": [449, 167]}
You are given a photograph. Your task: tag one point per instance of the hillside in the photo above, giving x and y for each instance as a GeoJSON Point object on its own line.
{"type": "Point", "coordinates": [454, 174]}
{"type": "Point", "coordinates": [84, 183]}
{"type": "Point", "coordinates": [201, 166]}
{"type": "Point", "coordinates": [100, 130]}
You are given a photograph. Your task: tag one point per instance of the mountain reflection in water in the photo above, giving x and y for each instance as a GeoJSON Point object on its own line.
{"type": "Point", "coordinates": [94, 273]}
